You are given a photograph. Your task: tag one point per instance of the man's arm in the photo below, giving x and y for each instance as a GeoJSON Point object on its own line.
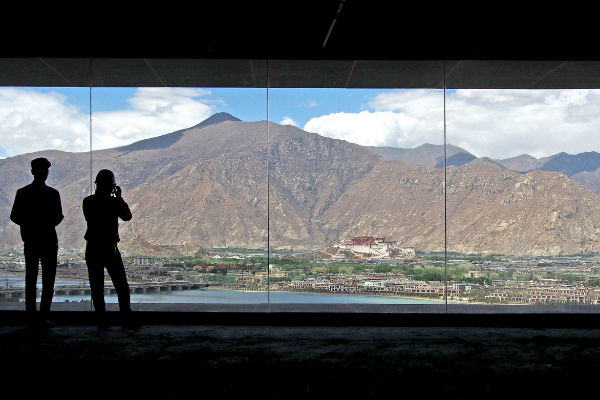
{"type": "Point", "coordinates": [16, 215]}
{"type": "Point", "coordinates": [58, 217]}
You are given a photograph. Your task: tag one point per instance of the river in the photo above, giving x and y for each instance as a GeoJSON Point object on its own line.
{"type": "Point", "coordinates": [214, 296]}
{"type": "Point", "coordinates": [243, 297]}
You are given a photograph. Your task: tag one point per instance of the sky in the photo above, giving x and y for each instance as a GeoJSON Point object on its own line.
{"type": "Point", "coordinates": [492, 123]}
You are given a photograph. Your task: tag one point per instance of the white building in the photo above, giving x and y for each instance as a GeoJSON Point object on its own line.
{"type": "Point", "coordinates": [372, 247]}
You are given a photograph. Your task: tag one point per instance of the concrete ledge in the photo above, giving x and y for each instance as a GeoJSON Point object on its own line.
{"type": "Point", "coordinates": [440, 308]}
{"type": "Point", "coordinates": [325, 315]}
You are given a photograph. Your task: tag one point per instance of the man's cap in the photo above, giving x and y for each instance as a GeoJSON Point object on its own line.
{"type": "Point", "coordinates": [40, 163]}
{"type": "Point", "coordinates": [106, 176]}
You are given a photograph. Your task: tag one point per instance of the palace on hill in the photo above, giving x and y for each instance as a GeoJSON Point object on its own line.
{"type": "Point", "coordinates": [370, 247]}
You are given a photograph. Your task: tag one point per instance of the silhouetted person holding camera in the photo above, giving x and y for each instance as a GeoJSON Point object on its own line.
{"type": "Point", "coordinates": [102, 211]}
{"type": "Point", "coordinates": [37, 210]}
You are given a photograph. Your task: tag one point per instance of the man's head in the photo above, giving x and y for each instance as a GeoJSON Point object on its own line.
{"type": "Point", "coordinates": [39, 168]}
{"type": "Point", "coordinates": [105, 180]}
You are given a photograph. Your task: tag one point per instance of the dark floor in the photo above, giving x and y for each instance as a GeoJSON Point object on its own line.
{"type": "Point", "coordinates": [229, 360]}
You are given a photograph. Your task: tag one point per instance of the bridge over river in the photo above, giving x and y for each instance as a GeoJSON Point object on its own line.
{"type": "Point", "coordinates": [150, 287]}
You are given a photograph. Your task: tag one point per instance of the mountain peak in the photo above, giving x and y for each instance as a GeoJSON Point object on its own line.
{"type": "Point", "coordinates": [216, 119]}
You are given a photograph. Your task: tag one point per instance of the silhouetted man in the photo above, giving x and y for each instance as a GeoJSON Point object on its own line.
{"type": "Point", "coordinates": [102, 211]}
{"type": "Point", "coordinates": [37, 210]}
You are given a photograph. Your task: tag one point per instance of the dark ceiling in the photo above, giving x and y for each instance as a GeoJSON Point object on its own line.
{"type": "Point", "coordinates": [370, 30]}
{"type": "Point", "coordinates": [371, 44]}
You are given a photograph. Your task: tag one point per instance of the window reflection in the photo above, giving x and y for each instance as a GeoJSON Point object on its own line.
{"type": "Point", "coordinates": [356, 196]}
{"type": "Point", "coordinates": [194, 175]}
{"type": "Point", "coordinates": [51, 123]}
{"type": "Point", "coordinates": [341, 192]}
{"type": "Point", "coordinates": [523, 212]}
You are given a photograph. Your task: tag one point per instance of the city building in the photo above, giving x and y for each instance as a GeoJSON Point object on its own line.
{"type": "Point", "coordinates": [143, 261]}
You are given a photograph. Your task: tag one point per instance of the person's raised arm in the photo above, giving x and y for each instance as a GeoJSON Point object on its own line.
{"type": "Point", "coordinates": [124, 211]}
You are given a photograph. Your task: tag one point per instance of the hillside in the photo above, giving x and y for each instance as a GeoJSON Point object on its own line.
{"type": "Point", "coordinates": [207, 186]}
{"type": "Point", "coordinates": [137, 246]}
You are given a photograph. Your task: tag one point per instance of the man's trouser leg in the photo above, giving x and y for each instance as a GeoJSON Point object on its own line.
{"type": "Point", "coordinates": [32, 260]}
{"type": "Point", "coordinates": [95, 264]}
{"type": "Point", "coordinates": [49, 259]}
{"type": "Point", "coordinates": [116, 270]}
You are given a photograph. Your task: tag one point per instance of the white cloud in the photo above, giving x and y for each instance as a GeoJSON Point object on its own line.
{"type": "Point", "coordinates": [32, 121]}
{"type": "Point", "coordinates": [312, 103]}
{"type": "Point", "coordinates": [368, 129]}
{"type": "Point", "coordinates": [420, 120]}
{"type": "Point", "coordinates": [153, 112]}
{"type": "Point", "coordinates": [507, 123]}
{"type": "Point", "coordinates": [492, 123]}
{"type": "Point", "coordinates": [288, 121]}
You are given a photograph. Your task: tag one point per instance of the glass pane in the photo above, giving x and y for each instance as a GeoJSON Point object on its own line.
{"type": "Point", "coordinates": [356, 193]}
{"type": "Point", "coordinates": [523, 189]}
{"type": "Point", "coordinates": [49, 122]}
{"type": "Point", "coordinates": [191, 163]}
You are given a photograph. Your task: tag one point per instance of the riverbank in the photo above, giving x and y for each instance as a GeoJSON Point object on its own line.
{"type": "Point", "coordinates": [328, 293]}
{"type": "Point", "coordinates": [372, 296]}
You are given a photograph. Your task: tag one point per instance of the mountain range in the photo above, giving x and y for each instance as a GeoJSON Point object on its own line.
{"type": "Point", "coordinates": [583, 168]}
{"type": "Point", "coordinates": [207, 186]}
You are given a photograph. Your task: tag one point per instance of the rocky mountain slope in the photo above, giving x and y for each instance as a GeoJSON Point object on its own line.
{"type": "Point", "coordinates": [489, 210]}
{"type": "Point", "coordinates": [207, 186]}
{"type": "Point", "coordinates": [429, 155]}
{"type": "Point", "coordinates": [138, 246]}
{"type": "Point", "coordinates": [583, 167]}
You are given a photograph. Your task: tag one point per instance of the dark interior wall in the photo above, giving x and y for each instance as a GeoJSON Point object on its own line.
{"type": "Point", "coordinates": [281, 73]}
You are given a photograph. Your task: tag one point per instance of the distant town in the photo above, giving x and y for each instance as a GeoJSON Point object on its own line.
{"type": "Point", "coordinates": [361, 265]}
